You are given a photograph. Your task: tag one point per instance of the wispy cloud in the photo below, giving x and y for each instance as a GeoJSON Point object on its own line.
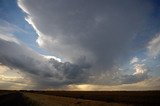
{"type": "Point", "coordinates": [154, 46]}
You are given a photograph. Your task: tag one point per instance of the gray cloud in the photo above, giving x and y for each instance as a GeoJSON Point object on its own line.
{"type": "Point", "coordinates": [100, 31]}
{"type": "Point", "coordinates": [45, 72]}
{"type": "Point", "coordinates": [129, 79]}
{"type": "Point", "coordinates": [19, 56]}
{"type": "Point", "coordinates": [89, 37]}
{"type": "Point", "coordinates": [41, 70]}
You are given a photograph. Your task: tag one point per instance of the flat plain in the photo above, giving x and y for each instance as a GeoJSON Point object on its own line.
{"type": "Point", "coordinates": [79, 98]}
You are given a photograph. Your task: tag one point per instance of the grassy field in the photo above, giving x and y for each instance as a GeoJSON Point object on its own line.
{"type": "Point", "coordinates": [3, 92]}
{"type": "Point", "coordinates": [79, 98]}
{"type": "Point", "coordinates": [48, 100]}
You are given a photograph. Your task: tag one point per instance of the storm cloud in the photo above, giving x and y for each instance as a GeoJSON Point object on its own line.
{"type": "Point", "coordinates": [99, 31]}
{"type": "Point", "coordinates": [87, 41]}
{"type": "Point", "coordinates": [14, 54]}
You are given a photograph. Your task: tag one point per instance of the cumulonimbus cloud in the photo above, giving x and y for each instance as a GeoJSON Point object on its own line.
{"type": "Point", "coordinates": [99, 31]}
{"type": "Point", "coordinates": [88, 36]}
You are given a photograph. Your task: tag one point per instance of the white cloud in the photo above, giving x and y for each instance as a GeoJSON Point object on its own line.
{"type": "Point", "coordinates": [140, 69]}
{"type": "Point", "coordinates": [138, 66]}
{"type": "Point", "coordinates": [134, 60]}
{"type": "Point", "coordinates": [6, 27]}
{"type": "Point", "coordinates": [52, 57]}
{"type": "Point", "coordinates": [10, 38]}
{"type": "Point", "coordinates": [154, 47]}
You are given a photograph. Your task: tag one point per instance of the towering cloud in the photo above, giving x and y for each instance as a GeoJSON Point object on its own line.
{"type": "Point", "coordinates": [89, 37]}
{"type": "Point", "coordinates": [97, 32]}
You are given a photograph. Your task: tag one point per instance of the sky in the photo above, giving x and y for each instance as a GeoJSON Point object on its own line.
{"type": "Point", "coordinates": [80, 45]}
